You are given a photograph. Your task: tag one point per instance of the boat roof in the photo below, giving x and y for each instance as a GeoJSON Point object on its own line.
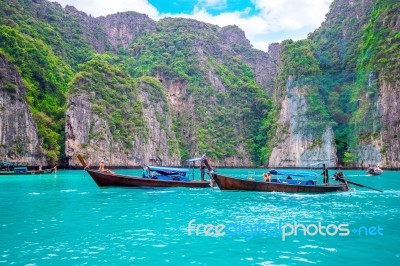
{"type": "Point", "coordinates": [20, 168]}
{"type": "Point", "coordinates": [169, 170]}
{"type": "Point", "coordinates": [194, 159]}
{"type": "Point", "coordinates": [293, 173]}
{"type": "Point", "coordinates": [7, 163]}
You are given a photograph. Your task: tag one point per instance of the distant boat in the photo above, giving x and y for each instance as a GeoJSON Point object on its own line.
{"type": "Point", "coordinates": [8, 168]}
{"type": "Point", "coordinates": [153, 176]}
{"type": "Point", "coordinates": [374, 170]}
{"type": "Point", "coordinates": [282, 181]}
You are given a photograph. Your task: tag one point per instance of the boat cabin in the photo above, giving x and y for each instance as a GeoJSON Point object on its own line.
{"type": "Point", "coordinates": [165, 173]}
{"type": "Point", "coordinates": [6, 166]}
{"type": "Point", "coordinates": [11, 167]}
{"type": "Point", "coordinates": [294, 177]}
{"type": "Point", "coordinates": [21, 169]}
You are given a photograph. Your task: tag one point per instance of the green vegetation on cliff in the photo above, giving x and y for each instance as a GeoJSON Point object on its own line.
{"type": "Point", "coordinates": [63, 32]}
{"type": "Point", "coordinates": [380, 44]}
{"type": "Point", "coordinates": [356, 54]}
{"type": "Point", "coordinates": [178, 51]}
{"type": "Point", "coordinates": [114, 96]}
{"type": "Point", "coordinates": [299, 66]}
{"type": "Point", "coordinates": [225, 119]}
{"type": "Point", "coordinates": [203, 82]}
{"type": "Point", "coordinates": [46, 78]}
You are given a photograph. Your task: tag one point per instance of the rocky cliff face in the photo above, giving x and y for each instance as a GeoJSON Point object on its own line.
{"type": "Point", "coordinates": [377, 130]}
{"type": "Point", "coordinates": [389, 103]}
{"type": "Point", "coordinates": [296, 148]}
{"type": "Point", "coordinates": [232, 39]}
{"type": "Point", "coordinates": [340, 33]}
{"type": "Point", "coordinates": [382, 146]}
{"type": "Point", "coordinates": [89, 134]}
{"type": "Point", "coordinates": [122, 28]}
{"type": "Point", "coordinates": [200, 67]}
{"type": "Point", "coordinates": [19, 141]}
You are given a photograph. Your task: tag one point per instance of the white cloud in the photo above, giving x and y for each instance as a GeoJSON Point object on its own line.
{"type": "Point", "coordinates": [292, 14]}
{"type": "Point", "coordinates": [276, 20]}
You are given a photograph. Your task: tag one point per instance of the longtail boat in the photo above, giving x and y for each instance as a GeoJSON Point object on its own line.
{"type": "Point", "coordinates": [7, 168]}
{"type": "Point", "coordinates": [153, 176]}
{"type": "Point", "coordinates": [300, 182]}
{"type": "Point", "coordinates": [374, 170]}
{"type": "Point", "coordinates": [280, 181]}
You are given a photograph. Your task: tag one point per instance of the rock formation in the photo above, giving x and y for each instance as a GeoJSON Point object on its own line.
{"type": "Point", "coordinates": [19, 141]}
{"type": "Point", "coordinates": [297, 147]}
{"type": "Point", "coordinates": [212, 88]}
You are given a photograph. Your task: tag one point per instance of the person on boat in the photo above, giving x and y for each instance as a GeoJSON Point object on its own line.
{"type": "Point", "coordinates": [101, 168]}
{"type": "Point", "coordinates": [267, 177]}
{"type": "Point", "coordinates": [146, 171]}
{"type": "Point", "coordinates": [325, 174]}
{"type": "Point", "coordinates": [52, 170]}
{"type": "Point", "coordinates": [338, 175]}
{"type": "Point", "coordinates": [202, 167]}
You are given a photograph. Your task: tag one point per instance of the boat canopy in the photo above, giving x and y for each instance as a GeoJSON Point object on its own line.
{"type": "Point", "coordinates": [194, 160]}
{"type": "Point", "coordinates": [7, 164]}
{"type": "Point", "coordinates": [168, 170]}
{"type": "Point", "coordinates": [294, 173]}
{"type": "Point", "coordinates": [20, 169]}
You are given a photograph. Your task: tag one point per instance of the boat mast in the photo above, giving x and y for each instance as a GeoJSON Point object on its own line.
{"type": "Point", "coordinates": [204, 159]}
{"type": "Point", "coordinates": [325, 173]}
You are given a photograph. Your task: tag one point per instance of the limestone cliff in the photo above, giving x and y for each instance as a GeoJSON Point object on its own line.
{"type": "Point", "coordinates": [19, 141]}
{"type": "Point", "coordinates": [90, 134]}
{"type": "Point", "coordinates": [175, 88]}
{"type": "Point", "coordinates": [122, 28]}
{"type": "Point", "coordinates": [232, 39]}
{"type": "Point", "coordinates": [375, 122]}
{"type": "Point", "coordinates": [389, 104]}
{"type": "Point", "coordinates": [295, 146]}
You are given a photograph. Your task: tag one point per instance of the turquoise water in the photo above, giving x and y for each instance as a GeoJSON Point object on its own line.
{"type": "Point", "coordinates": [67, 220]}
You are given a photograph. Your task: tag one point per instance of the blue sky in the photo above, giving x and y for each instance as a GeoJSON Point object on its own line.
{"type": "Point", "coordinates": [263, 21]}
{"type": "Point", "coordinates": [213, 7]}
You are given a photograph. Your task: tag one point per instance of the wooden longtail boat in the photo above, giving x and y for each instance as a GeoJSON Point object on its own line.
{"type": "Point", "coordinates": [111, 179]}
{"type": "Point", "coordinates": [374, 170]}
{"type": "Point", "coordinates": [34, 172]}
{"type": "Point", "coordinates": [276, 185]}
{"type": "Point", "coordinates": [8, 168]}
{"type": "Point", "coordinates": [293, 182]}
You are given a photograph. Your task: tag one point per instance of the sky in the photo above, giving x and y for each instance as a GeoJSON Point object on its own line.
{"type": "Point", "coordinates": [263, 21]}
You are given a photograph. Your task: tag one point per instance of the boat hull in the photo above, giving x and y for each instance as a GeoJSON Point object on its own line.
{"type": "Point", "coordinates": [230, 183]}
{"type": "Point", "coordinates": [104, 179]}
{"type": "Point", "coordinates": [38, 172]}
{"type": "Point", "coordinates": [374, 172]}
